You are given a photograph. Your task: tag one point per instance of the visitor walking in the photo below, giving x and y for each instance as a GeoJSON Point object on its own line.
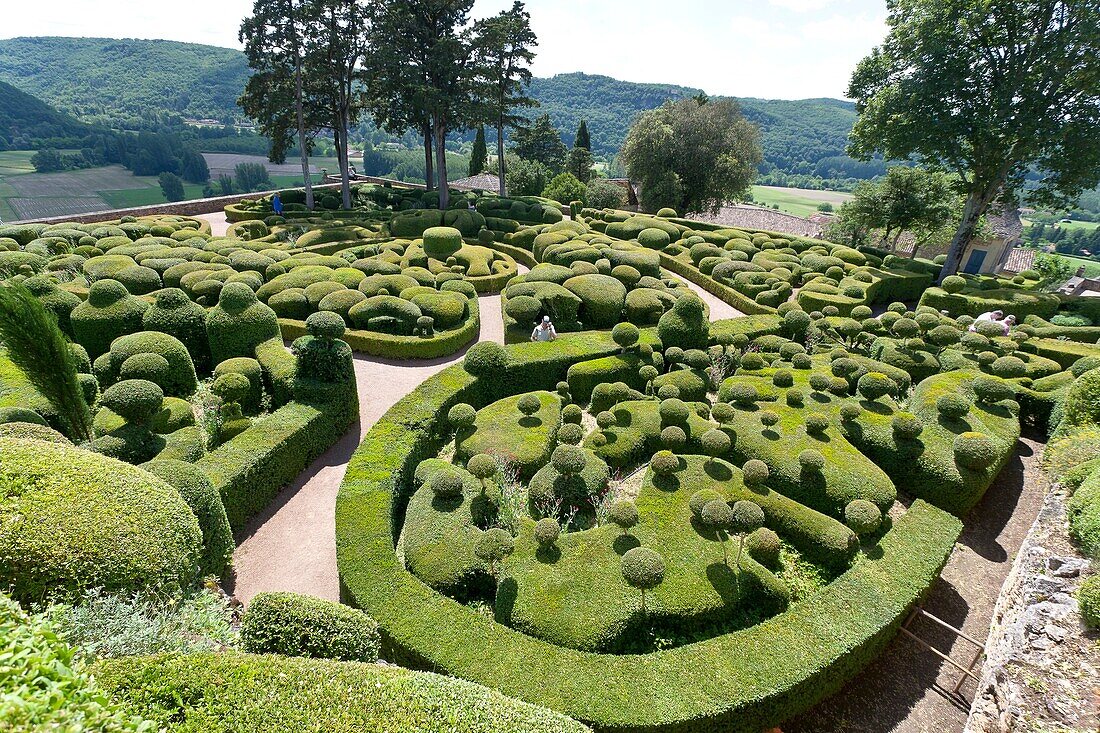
{"type": "Point", "coordinates": [544, 331]}
{"type": "Point", "coordinates": [277, 204]}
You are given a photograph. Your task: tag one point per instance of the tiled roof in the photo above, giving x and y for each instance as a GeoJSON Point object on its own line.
{"type": "Point", "coordinates": [1005, 223]}
{"type": "Point", "coordinates": [1020, 259]}
{"type": "Point", "coordinates": [480, 182]}
{"type": "Point", "coordinates": [756, 217]}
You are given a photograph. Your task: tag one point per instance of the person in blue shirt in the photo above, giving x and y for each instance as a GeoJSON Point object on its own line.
{"type": "Point", "coordinates": [277, 205]}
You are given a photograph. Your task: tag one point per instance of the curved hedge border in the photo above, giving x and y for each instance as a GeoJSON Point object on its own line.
{"type": "Point", "coordinates": [725, 293]}
{"type": "Point", "coordinates": [744, 681]}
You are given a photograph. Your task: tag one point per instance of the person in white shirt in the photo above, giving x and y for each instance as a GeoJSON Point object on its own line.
{"type": "Point", "coordinates": [544, 331]}
{"type": "Point", "coordinates": [994, 316]}
{"type": "Point", "coordinates": [1008, 323]}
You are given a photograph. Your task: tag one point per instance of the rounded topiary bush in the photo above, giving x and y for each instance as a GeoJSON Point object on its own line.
{"type": "Point", "coordinates": [461, 416]}
{"type": "Point", "coordinates": [764, 546]}
{"type": "Point", "coordinates": [906, 426]}
{"type": "Point", "coordinates": [816, 423]}
{"type": "Point", "coordinates": [572, 434]}
{"type": "Point", "coordinates": [953, 284]}
{"type": "Point", "coordinates": [136, 401]}
{"type": "Point", "coordinates": [991, 389]}
{"type": "Point", "coordinates": [239, 323]}
{"type": "Point", "coordinates": [674, 438]}
{"type": "Point", "coordinates": [862, 517]}
{"type": "Point", "coordinates": [673, 411]}
{"type": "Point", "coordinates": [486, 360]}
{"type": "Point", "coordinates": [109, 312]}
{"type": "Point", "coordinates": [643, 568]}
{"type": "Point", "coordinates": [685, 325]}
{"type": "Point", "coordinates": [755, 472]}
{"type": "Point", "coordinates": [447, 484]}
{"type": "Point", "coordinates": [572, 414]}
{"type": "Point", "coordinates": [664, 463]}
{"type": "Point", "coordinates": [295, 625]}
{"type": "Point", "coordinates": [811, 460]}
{"type": "Point", "coordinates": [547, 531]}
{"type": "Point", "coordinates": [953, 406]}
{"type": "Point", "coordinates": [32, 431]}
{"type": "Point", "coordinates": [72, 520]}
{"type": "Point", "coordinates": [206, 504]}
{"type": "Point", "coordinates": [1009, 367]}
{"type": "Point", "coordinates": [874, 385]}
{"type": "Point", "coordinates": [442, 242]}
{"type": "Point", "coordinates": [975, 451]}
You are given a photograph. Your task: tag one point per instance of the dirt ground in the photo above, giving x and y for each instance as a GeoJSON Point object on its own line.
{"type": "Point", "coordinates": [909, 689]}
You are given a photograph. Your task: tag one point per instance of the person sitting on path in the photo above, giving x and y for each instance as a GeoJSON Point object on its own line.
{"type": "Point", "coordinates": [994, 316]}
{"type": "Point", "coordinates": [544, 331]}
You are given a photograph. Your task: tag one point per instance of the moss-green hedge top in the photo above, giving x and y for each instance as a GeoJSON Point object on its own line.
{"type": "Point", "coordinates": [744, 680]}
{"type": "Point", "coordinates": [242, 693]}
{"type": "Point", "coordinates": [71, 520]}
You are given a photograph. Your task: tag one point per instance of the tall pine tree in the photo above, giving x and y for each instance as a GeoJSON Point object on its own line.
{"type": "Point", "coordinates": [479, 156]}
{"type": "Point", "coordinates": [504, 42]}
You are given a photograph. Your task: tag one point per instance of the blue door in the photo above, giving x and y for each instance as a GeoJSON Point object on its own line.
{"type": "Point", "coordinates": [974, 262]}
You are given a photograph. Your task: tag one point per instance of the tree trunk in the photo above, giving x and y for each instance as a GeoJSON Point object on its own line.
{"type": "Point", "coordinates": [302, 147]}
{"type": "Point", "coordinates": [342, 156]}
{"type": "Point", "coordinates": [429, 166]}
{"type": "Point", "coordinates": [976, 204]}
{"type": "Point", "coordinates": [441, 163]}
{"type": "Point", "coordinates": [500, 158]}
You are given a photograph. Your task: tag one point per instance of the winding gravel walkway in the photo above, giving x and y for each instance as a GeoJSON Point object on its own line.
{"type": "Point", "coordinates": [291, 545]}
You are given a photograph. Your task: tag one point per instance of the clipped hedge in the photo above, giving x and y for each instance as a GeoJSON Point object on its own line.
{"type": "Point", "coordinates": [303, 626]}
{"type": "Point", "coordinates": [71, 520]}
{"type": "Point", "coordinates": [244, 693]}
{"type": "Point", "coordinates": [797, 658]}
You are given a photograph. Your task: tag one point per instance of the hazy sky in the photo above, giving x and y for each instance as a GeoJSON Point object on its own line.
{"type": "Point", "coordinates": [783, 49]}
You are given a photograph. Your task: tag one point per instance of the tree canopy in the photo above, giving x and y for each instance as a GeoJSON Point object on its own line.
{"type": "Point", "coordinates": [541, 142]}
{"type": "Point", "coordinates": [692, 155]}
{"type": "Point", "coordinates": [986, 89]}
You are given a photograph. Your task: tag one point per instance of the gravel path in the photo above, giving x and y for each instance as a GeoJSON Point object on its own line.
{"type": "Point", "coordinates": [719, 309]}
{"type": "Point", "coordinates": [291, 545]}
{"type": "Point", "coordinates": [218, 224]}
{"type": "Point", "coordinates": [908, 688]}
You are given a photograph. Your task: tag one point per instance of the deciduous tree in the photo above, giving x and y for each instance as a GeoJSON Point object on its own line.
{"type": "Point", "coordinates": [692, 155]}
{"type": "Point", "coordinates": [986, 89]}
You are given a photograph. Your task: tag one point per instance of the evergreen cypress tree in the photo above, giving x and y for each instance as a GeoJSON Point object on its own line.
{"type": "Point", "coordinates": [582, 140]}
{"type": "Point", "coordinates": [480, 154]}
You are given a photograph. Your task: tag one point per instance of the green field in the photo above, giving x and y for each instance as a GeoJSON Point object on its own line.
{"type": "Point", "coordinates": [797, 201]}
{"type": "Point", "coordinates": [1071, 226]}
{"type": "Point", "coordinates": [1092, 267]}
{"type": "Point", "coordinates": [25, 194]}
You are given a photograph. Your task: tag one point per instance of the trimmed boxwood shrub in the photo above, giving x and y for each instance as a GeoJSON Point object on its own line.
{"type": "Point", "coordinates": [242, 693]}
{"type": "Point", "coordinates": [109, 312]}
{"type": "Point", "coordinates": [206, 504]}
{"type": "Point", "coordinates": [303, 626]}
{"type": "Point", "coordinates": [239, 323]}
{"type": "Point", "coordinates": [88, 521]}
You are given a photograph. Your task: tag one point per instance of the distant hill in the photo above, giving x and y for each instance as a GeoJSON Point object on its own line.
{"type": "Point", "coordinates": [118, 82]}
{"type": "Point", "coordinates": [25, 120]}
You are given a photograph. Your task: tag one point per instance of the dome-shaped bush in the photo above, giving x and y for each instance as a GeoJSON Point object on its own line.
{"type": "Point", "coordinates": [239, 323]}
{"type": "Point", "coordinates": [752, 361]}
{"type": "Point", "coordinates": [568, 460]}
{"type": "Point", "coordinates": [862, 517]}
{"type": "Point", "coordinates": [109, 312]}
{"type": "Point", "coordinates": [755, 472]}
{"type": "Point", "coordinates": [975, 451]}
{"type": "Point", "coordinates": [764, 546]}
{"type": "Point", "coordinates": [524, 309]}
{"type": "Point", "coordinates": [673, 412]}
{"type": "Point", "coordinates": [953, 406]}
{"type": "Point", "coordinates": [136, 401]}
{"type": "Point", "coordinates": [685, 325]}
{"type": "Point", "coordinates": [547, 531]}
{"type": "Point", "coordinates": [653, 238]}
{"type": "Point", "coordinates": [769, 418]}
{"type": "Point", "coordinates": [1008, 367]}
{"type": "Point", "coordinates": [850, 412]}
{"type": "Point", "coordinates": [151, 367]}
{"type": "Point", "coordinates": [623, 513]}
{"type": "Point", "coordinates": [953, 284]}
{"type": "Point", "coordinates": [461, 416]}
{"type": "Point", "coordinates": [643, 568]}
{"type": "Point", "coordinates": [72, 520]}
{"type": "Point", "coordinates": [573, 434]}
{"type": "Point", "coordinates": [1088, 601]}
{"type": "Point", "coordinates": [528, 404]}
{"type": "Point", "coordinates": [325, 325]}
{"type": "Point", "coordinates": [447, 484]}
{"type": "Point", "coordinates": [747, 516]}
{"type": "Point", "coordinates": [992, 389]}
{"type": "Point", "coordinates": [231, 387]}
{"type": "Point", "coordinates": [664, 463]}
{"type": "Point", "coordinates": [816, 423]}
{"type": "Point", "coordinates": [572, 414]}
{"type": "Point", "coordinates": [674, 438]}
{"type": "Point", "coordinates": [486, 360]}
{"type": "Point", "coordinates": [874, 385]}
{"type": "Point", "coordinates": [906, 426]}
{"type": "Point", "coordinates": [715, 443]}
{"type": "Point", "coordinates": [811, 460]}
{"type": "Point", "coordinates": [442, 242]}
{"type": "Point", "coordinates": [783, 378]}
